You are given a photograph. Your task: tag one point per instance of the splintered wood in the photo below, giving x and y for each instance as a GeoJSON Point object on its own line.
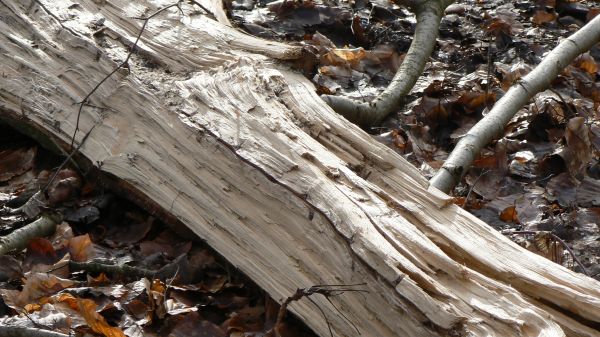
{"type": "Point", "coordinates": [209, 128]}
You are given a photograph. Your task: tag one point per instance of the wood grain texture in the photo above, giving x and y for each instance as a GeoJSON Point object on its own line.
{"type": "Point", "coordinates": [213, 128]}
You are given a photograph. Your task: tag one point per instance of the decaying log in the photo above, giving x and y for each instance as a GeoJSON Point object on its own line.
{"type": "Point", "coordinates": [213, 130]}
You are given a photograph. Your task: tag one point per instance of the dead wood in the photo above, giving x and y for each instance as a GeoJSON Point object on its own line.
{"type": "Point", "coordinates": [208, 129]}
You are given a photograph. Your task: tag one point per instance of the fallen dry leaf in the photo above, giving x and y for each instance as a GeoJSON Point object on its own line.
{"type": "Point", "coordinates": [578, 145]}
{"type": "Point", "coordinates": [87, 308]}
{"type": "Point", "coordinates": [81, 248]}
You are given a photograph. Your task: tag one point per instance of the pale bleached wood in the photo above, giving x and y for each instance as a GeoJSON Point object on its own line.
{"type": "Point", "coordinates": [241, 150]}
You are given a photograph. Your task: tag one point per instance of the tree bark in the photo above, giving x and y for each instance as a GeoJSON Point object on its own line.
{"type": "Point", "coordinates": [210, 130]}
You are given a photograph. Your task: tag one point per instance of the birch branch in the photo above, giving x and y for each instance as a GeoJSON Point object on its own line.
{"type": "Point", "coordinates": [492, 125]}
{"type": "Point", "coordinates": [18, 239]}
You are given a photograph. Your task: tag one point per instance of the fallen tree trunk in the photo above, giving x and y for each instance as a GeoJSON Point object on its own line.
{"type": "Point", "coordinates": [210, 130]}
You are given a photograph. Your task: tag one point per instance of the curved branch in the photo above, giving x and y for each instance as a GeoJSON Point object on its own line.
{"type": "Point", "coordinates": [429, 15]}
{"type": "Point", "coordinates": [18, 239]}
{"type": "Point", "coordinates": [492, 125]}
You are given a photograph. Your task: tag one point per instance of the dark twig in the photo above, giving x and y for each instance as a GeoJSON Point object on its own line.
{"type": "Point", "coordinates": [122, 64]}
{"type": "Point", "coordinates": [71, 154]}
{"type": "Point", "coordinates": [473, 187]}
{"type": "Point", "coordinates": [84, 102]}
{"type": "Point", "coordinates": [564, 102]}
{"type": "Point", "coordinates": [341, 314]}
{"type": "Point", "coordinates": [208, 12]}
{"type": "Point", "coordinates": [327, 290]}
{"type": "Point", "coordinates": [489, 73]}
{"type": "Point", "coordinates": [60, 22]}
{"type": "Point", "coordinates": [36, 324]}
{"type": "Point", "coordinates": [322, 313]}
{"type": "Point", "coordinates": [21, 331]}
{"type": "Point", "coordinates": [555, 237]}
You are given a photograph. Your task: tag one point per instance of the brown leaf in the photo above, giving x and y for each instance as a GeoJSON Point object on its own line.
{"type": "Point", "coordinates": [137, 229]}
{"type": "Point", "coordinates": [32, 307]}
{"type": "Point", "coordinates": [512, 73]}
{"type": "Point", "coordinates": [247, 319]}
{"type": "Point", "coordinates": [586, 63]}
{"type": "Point", "coordinates": [81, 248]}
{"type": "Point", "coordinates": [168, 243]}
{"type": "Point", "coordinates": [471, 100]}
{"type": "Point", "coordinates": [578, 146]}
{"type": "Point", "coordinates": [509, 214]}
{"type": "Point", "coordinates": [460, 201]}
{"type": "Point", "coordinates": [141, 312]}
{"type": "Point", "coordinates": [87, 308]}
{"type": "Point", "coordinates": [542, 17]}
{"type": "Point", "coordinates": [359, 31]}
{"type": "Point", "coordinates": [66, 298]}
{"type": "Point", "coordinates": [101, 279]}
{"type": "Point", "coordinates": [498, 26]}
{"type": "Point", "coordinates": [39, 251]}
{"type": "Point", "coordinates": [545, 245]}
{"type": "Point", "coordinates": [486, 162]}
{"type": "Point", "coordinates": [67, 183]}
{"type": "Point", "coordinates": [36, 285]}
{"type": "Point", "coordinates": [14, 162]}
{"type": "Point", "coordinates": [345, 58]}
{"type": "Point", "coordinates": [592, 14]}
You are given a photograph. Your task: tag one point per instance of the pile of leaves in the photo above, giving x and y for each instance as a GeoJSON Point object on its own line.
{"type": "Point", "coordinates": [540, 183]}
{"type": "Point", "coordinates": [110, 268]}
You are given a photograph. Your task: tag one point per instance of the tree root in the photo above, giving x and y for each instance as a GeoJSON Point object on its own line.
{"type": "Point", "coordinates": [429, 15]}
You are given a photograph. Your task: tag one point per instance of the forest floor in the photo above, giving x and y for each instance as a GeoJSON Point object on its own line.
{"type": "Point", "coordinates": [540, 183]}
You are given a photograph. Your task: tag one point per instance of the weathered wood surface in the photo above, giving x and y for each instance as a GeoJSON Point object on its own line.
{"type": "Point", "coordinates": [239, 148]}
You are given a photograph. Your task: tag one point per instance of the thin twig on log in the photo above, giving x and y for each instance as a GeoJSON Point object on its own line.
{"type": "Point", "coordinates": [326, 290]}
{"type": "Point", "coordinates": [60, 22]}
{"type": "Point", "coordinates": [97, 86]}
{"type": "Point", "coordinates": [64, 162]}
{"type": "Point", "coordinates": [562, 242]}
{"type": "Point", "coordinates": [492, 125]}
{"type": "Point", "coordinates": [208, 12]}
{"type": "Point", "coordinates": [122, 64]}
